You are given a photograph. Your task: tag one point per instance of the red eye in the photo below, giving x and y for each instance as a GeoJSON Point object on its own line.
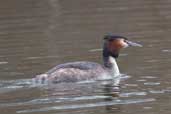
{"type": "Point", "coordinates": [125, 40]}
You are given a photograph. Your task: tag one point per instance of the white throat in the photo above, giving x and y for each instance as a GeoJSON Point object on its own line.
{"type": "Point", "coordinates": [114, 70]}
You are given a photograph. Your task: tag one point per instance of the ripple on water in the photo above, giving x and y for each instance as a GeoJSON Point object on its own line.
{"type": "Point", "coordinates": [157, 91]}
{"type": "Point", "coordinates": [133, 94]}
{"type": "Point", "coordinates": [11, 85]}
{"type": "Point", "coordinates": [71, 99]}
{"type": "Point", "coordinates": [88, 105]}
{"type": "Point", "coordinates": [40, 57]}
{"type": "Point", "coordinates": [55, 100]}
{"type": "Point", "coordinates": [168, 90]}
{"type": "Point", "coordinates": [3, 62]}
{"type": "Point", "coordinates": [147, 108]}
{"type": "Point", "coordinates": [152, 83]}
{"type": "Point", "coordinates": [131, 85]}
{"type": "Point", "coordinates": [148, 77]}
{"type": "Point", "coordinates": [166, 50]}
{"type": "Point", "coordinates": [141, 80]}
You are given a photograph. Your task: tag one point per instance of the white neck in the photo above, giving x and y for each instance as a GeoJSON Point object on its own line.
{"type": "Point", "coordinates": [114, 70]}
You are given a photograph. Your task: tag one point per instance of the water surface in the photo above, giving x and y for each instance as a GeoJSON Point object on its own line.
{"type": "Point", "coordinates": [36, 35]}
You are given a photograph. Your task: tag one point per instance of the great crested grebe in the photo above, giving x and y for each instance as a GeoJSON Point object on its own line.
{"type": "Point", "coordinates": [84, 70]}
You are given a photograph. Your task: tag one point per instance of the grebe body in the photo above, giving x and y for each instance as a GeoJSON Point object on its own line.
{"type": "Point", "coordinates": [85, 70]}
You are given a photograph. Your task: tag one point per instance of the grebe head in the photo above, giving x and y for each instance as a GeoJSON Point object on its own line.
{"type": "Point", "coordinates": [113, 44]}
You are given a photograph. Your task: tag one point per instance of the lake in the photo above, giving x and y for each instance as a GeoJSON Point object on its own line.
{"type": "Point", "coordinates": [36, 35]}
